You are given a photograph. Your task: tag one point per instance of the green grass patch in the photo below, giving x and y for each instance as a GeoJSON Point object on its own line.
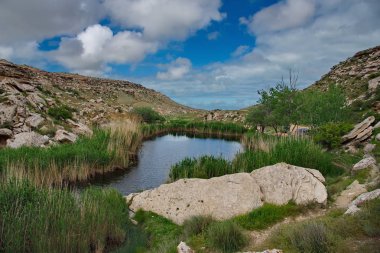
{"type": "Point", "coordinates": [47, 220]}
{"type": "Point", "coordinates": [163, 234]}
{"type": "Point", "coordinates": [61, 112]}
{"type": "Point", "coordinates": [267, 215]}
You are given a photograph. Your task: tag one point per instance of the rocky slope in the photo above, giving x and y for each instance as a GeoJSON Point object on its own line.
{"type": "Point", "coordinates": [27, 94]}
{"type": "Point", "coordinates": [358, 76]}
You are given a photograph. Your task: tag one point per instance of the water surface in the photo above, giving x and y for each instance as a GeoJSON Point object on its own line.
{"type": "Point", "coordinates": [158, 155]}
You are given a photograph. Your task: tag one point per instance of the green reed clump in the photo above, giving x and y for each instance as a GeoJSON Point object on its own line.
{"type": "Point", "coordinates": [203, 167]}
{"type": "Point", "coordinates": [226, 236]}
{"type": "Point", "coordinates": [34, 219]}
{"type": "Point", "coordinates": [100, 153]}
{"type": "Point", "coordinates": [190, 126]}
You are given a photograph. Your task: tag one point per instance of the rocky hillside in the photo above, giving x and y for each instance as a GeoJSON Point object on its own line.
{"type": "Point", "coordinates": [39, 101]}
{"type": "Point", "coordinates": [358, 76]}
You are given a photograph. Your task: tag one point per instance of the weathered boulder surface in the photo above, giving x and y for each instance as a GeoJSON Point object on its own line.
{"type": "Point", "coordinates": [80, 128]}
{"type": "Point", "coordinates": [367, 162]}
{"type": "Point", "coordinates": [27, 139]}
{"type": "Point", "coordinates": [361, 131]}
{"type": "Point", "coordinates": [348, 195]}
{"type": "Point", "coordinates": [184, 248]}
{"type": "Point", "coordinates": [230, 195]}
{"type": "Point", "coordinates": [63, 136]}
{"type": "Point", "coordinates": [34, 120]}
{"type": "Point", "coordinates": [368, 148]}
{"type": "Point", "coordinates": [365, 197]}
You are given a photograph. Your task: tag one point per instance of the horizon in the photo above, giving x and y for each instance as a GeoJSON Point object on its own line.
{"type": "Point", "coordinates": [215, 55]}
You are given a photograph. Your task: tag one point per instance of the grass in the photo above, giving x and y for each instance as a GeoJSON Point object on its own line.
{"type": "Point", "coordinates": [163, 234]}
{"type": "Point", "coordinates": [296, 151]}
{"type": "Point", "coordinates": [225, 236]}
{"type": "Point", "coordinates": [104, 151]}
{"type": "Point", "coordinates": [189, 126]}
{"type": "Point", "coordinates": [34, 219]}
{"type": "Point", "coordinates": [332, 233]}
{"type": "Point", "coordinates": [267, 215]}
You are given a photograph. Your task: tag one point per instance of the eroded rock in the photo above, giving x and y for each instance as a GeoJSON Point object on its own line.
{"type": "Point", "coordinates": [365, 197]}
{"type": "Point", "coordinates": [80, 128]}
{"type": "Point", "coordinates": [348, 195]}
{"type": "Point", "coordinates": [361, 131]}
{"type": "Point", "coordinates": [367, 162]}
{"type": "Point", "coordinates": [27, 139]}
{"type": "Point", "coordinates": [231, 195]}
{"type": "Point", "coordinates": [63, 136]}
{"type": "Point", "coordinates": [34, 120]}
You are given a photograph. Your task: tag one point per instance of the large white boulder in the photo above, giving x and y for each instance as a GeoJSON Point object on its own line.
{"type": "Point", "coordinates": [31, 139]}
{"type": "Point", "coordinates": [231, 195]}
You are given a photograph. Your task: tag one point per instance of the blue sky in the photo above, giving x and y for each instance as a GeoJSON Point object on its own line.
{"type": "Point", "coordinates": [203, 53]}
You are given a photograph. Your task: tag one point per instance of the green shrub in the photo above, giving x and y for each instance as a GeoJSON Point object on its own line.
{"type": "Point", "coordinates": [330, 135]}
{"type": "Point", "coordinates": [148, 115]}
{"type": "Point", "coordinates": [196, 225]}
{"type": "Point", "coordinates": [266, 216]}
{"type": "Point", "coordinates": [61, 112]}
{"type": "Point", "coordinates": [369, 218]}
{"type": "Point", "coordinates": [226, 236]}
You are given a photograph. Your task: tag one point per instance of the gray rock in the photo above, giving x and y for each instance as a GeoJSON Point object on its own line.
{"type": "Point", "coordinates": [378, 137]}
{"type": "Point", "coordinates": [230, 195]}
{"type": "Point", "coordinates": [361, 131]}
{"type": "Point", "coordinates": [27, 139]}
{"type": "Point", "coordinates": [5, 132]}
{"type": "Point", "coordinates": [365, 197]}
{"type": "Point", "coordinates": [34, 120]}
{"type": "Point", "coordinates": [367, 162]}
{"type": "Point", "coordinates": [63, 136]}
{"type": "Point", "coordinates": [368, 148]}
{"type": "Point", "coordinates": [80, 128]}
{"type": "Point", "coordinates": [373, 83]}
{"type": "Point", "coordinates": [183, 248]}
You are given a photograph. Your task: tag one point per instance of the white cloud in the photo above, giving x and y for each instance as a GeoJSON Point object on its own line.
{"type": "Point", "coordinates": [241, 50]}
{"type": "Point", "coordinates": [94, 48]}
{"type": "Point", "coordinates": [165, 19]}
{"type": "Point", "coordinates": [175, 70]}
{"type": "Point", "coordinates": [213, 35]}
{"type": "Point", "coordinates": [283, 15]}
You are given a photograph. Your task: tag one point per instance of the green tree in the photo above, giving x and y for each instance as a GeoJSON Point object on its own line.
{"type": "Point", "coordinates": [148, 115]}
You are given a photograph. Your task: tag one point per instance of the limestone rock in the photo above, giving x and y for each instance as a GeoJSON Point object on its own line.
{"type": "Point", "coordinates": [63, 136]}
{"type": "Point", "coordinates": [7, 113]}
{"type": "Point", "coordinates": [281, 183]}
{"type": "Point", "coordinates": [367, 162]}
{"type": "Point", "coordinates": [368, 148]}
{"type": "Point", "coordinates": [5, 134]}
{"type": "Point", "coordinates": [183, 248]}
{"type": "Point", "coordinates": [27, 139]}
{"type": "Point", "coordinates": [373, 83]}
{"type": "Point", "coordinates": [361, 131]}
{"type": "Point", "coordinates": [34, 120]}
{"type": "Point", "coordinates": [354, 206]}
{"type": "Point", "coordinates": [80, 128]}
{"type": "Point", "coordinates": [231, 195]}
{"type": "Point", "coordinates": [348, 195]}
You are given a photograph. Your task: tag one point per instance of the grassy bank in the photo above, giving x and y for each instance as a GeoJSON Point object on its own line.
{"type": "Point", "coordinates": [34, 219]}
{"type": "Point", "coordinates": [106, 149]}
{"type": "Point", "coordinates": [262, 151]}
{"type": "Point", "coordinates": [189, 126]}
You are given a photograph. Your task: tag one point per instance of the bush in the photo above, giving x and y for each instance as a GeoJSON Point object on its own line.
{"type": "Point", "coordinates": [330, 135]}
{"type": "Point", "coordinates": [62, 112]}
{"type": "Point", "coordinates": [196, 225]}
{"type": "Point", "coordinates": [148, 115]}
{"type": "Point", "coordinates": [226, 236]}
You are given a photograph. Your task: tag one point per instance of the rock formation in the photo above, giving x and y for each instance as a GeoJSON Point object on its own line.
{"type": "Point", "coordinates": [360, 133]}
{"type": "Point", "coordinates": [230, 195]}
{"type": "Point", "coordinates": [359, 201]}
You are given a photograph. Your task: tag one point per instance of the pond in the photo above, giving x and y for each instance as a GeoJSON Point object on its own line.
{"type": "Point", "coordinates": [156, 157]}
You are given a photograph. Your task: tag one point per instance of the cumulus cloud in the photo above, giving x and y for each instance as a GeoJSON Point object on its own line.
{"type": "Point", "coordinates": [165, 19]}
{"type": "Point", "coordinates": [175, 70]}
{"type": "Point", "coordinates": [91, 50]}
{"type": "Point", "coordinates": [283, 15]}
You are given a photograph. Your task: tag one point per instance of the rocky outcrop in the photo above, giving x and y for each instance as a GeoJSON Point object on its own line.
{"type": "Point", "coordinates": [373, 83]}
{"type": "Point", "coordinates": [34, 120]}
{"type": "Point", "coordinates": [348, 195]}
{"type": "Point", "coordinates": [230, 195]}
{"type": "Point", "coordinates": [64, 136]}
{"type": "Point", "coordinates": [359, 201]}
{"type": "Point", "coordinates": [31, 139]}
{"type": "Point", "coordinates": [360, 133]}
{"type": "Point", "coordinates": [5, 134]}
{"type": "Point", "coordinates": [184, 248]}
{"type": "Point", "coordinates": [367, 162]}
{"type": "Point", "coordinates": [221, 115]}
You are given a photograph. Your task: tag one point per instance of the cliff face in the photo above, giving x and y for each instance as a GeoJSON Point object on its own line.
{"type": "Point", "coordinates": [358, 76]}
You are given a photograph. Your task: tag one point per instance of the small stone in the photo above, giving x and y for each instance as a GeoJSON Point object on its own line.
{"type": "Point", "coordinates": [183, 248]}
{"type": "Point", "coordinates": [367, 162]}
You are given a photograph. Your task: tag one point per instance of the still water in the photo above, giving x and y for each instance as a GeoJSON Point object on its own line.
{"type": "Point", "coordinates": [156, 156]}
